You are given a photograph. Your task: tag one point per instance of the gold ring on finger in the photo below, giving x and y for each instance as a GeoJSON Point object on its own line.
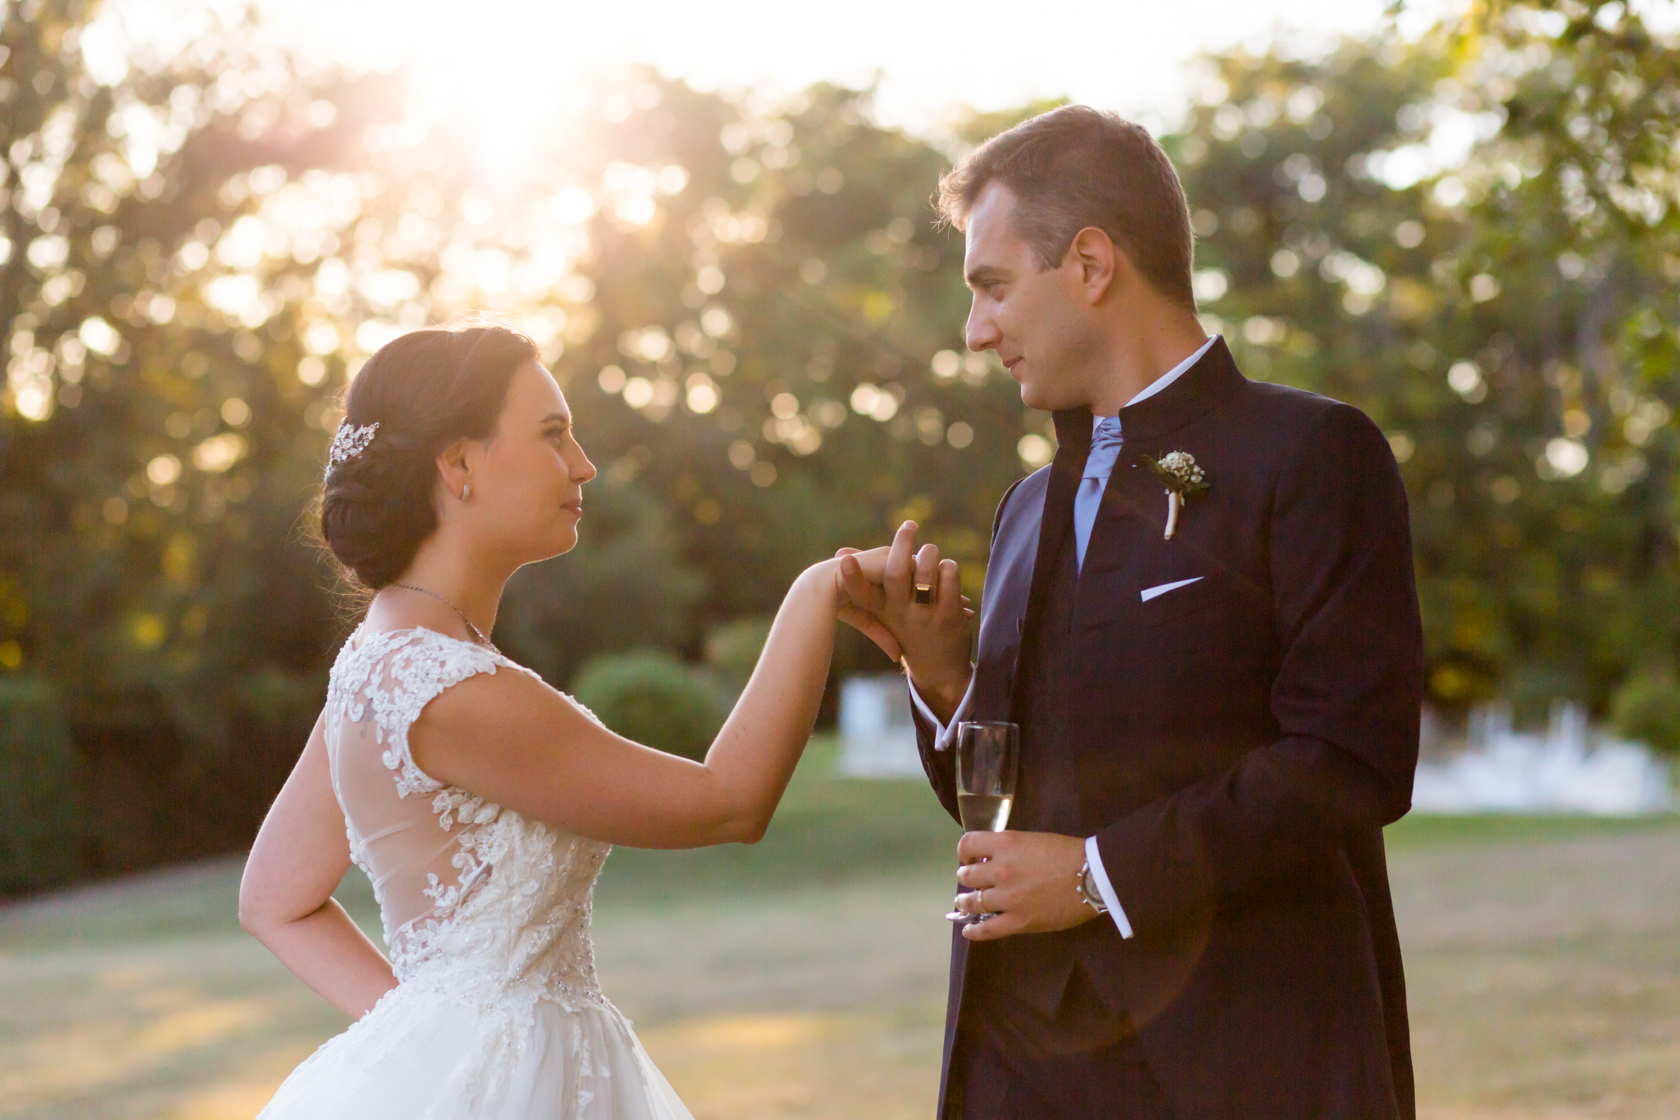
{"type": "Point", "coordinates": [980, 899]}
{"type": "Point", "coordinates": [924, 593]}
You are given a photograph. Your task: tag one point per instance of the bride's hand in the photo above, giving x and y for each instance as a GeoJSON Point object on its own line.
{"type": "Point", "coordinates": [859, 606]}
{"type": "Point", "coordinates": [864, 599]}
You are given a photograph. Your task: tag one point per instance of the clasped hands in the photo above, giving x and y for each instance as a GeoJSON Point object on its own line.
{"type": "Point", "coordinates": [1027, 881]}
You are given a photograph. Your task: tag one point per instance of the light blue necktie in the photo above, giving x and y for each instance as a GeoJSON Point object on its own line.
{"type": "Point", "coordinates": [1099, 464]}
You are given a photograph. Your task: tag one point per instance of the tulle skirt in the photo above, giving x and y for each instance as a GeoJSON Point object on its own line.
{"type": "Point", "coordinates": [428, 1055]}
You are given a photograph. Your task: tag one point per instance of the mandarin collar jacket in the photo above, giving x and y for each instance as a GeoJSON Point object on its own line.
{"type": "Point", "coordinates": [1237, 743]}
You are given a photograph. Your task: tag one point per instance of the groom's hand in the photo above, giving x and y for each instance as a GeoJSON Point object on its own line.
{"type": "Point", "coordinates": [1030, 881]}
{"type": "Point", "coordinates": [932, 634]}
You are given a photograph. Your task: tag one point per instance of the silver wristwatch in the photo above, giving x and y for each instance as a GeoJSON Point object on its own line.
{"type": "Point", "coordinates": [1088, 893]}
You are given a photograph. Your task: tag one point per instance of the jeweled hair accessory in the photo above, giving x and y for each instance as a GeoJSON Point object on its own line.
{"type": "Point", "coordinates": [350, 442]}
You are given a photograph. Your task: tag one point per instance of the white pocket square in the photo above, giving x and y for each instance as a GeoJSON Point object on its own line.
{"type": "Point", "coordinates": [1160, 589]}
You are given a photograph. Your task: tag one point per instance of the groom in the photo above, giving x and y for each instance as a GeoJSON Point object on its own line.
{"type": "Point", "coordinates": [1218, 692]}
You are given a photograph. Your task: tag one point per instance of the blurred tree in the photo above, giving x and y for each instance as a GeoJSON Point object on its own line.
{"type": "Point", "coordinates": [626, 585]}
{"type": "Point", "coordinates": [1471, 237]}
{"type": "Point", "coordinates": [754, 316]}
{"type": "Point", "coordinates": [39, 806]}
{"type": "Point", "coordinates": [778, 343]}
{"type": "Point", "coordinates": [1581, 196]}
{"type": "Point", "coordinates": [1647, 709]}
{"type": "Point", "coordinates": [150, 467]}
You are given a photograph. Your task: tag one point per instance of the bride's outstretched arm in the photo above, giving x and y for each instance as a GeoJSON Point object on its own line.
{"type": "Point", "coordinates": [515, 741]}
{"type": "Point", "coordinates": [285, 898]}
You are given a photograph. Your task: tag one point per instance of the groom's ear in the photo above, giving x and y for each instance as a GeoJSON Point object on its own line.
{"type": "Point", "coordinates": [1098, 263]}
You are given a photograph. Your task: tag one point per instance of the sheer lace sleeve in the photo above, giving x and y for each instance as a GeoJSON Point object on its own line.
{"type": "Point", "coordinates": [379, 689]}
{"type": "Point", "coordinates": [473, 896]}
{"type": "Point", "coordinates": [403, 682]}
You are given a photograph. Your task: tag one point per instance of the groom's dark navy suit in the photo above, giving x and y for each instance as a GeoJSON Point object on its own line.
{"type": "Point", "coordinates": [1236, 746]}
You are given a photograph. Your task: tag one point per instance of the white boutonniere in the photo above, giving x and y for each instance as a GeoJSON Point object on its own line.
{"type": "Point", "coordinates": [1184, 480]}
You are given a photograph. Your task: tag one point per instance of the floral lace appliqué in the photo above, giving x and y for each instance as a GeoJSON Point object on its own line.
{"type": "Point", "coordinates": [515, 918]}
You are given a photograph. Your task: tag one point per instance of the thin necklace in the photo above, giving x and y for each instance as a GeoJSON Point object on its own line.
{"type": "Point", "coordinates": [482, 640]}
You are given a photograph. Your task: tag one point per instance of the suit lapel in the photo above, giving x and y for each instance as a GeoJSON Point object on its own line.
{"type": "Point", "coordinates": [1003, 604]}
{"type": "Point", "coordinates": [1030, 536]}
{"type": "Point", "coordinates": [1073, 444]}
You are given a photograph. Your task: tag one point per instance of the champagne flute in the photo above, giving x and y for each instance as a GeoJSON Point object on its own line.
{"type": "Point", "coordinates": [986, 756]}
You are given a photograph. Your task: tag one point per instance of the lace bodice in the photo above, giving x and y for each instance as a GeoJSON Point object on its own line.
{"type": "Point", "coordinates": [474, 897]}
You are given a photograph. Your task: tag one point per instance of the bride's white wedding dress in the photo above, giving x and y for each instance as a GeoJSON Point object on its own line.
{"type": "Point", "coordinates": [496, 1014]}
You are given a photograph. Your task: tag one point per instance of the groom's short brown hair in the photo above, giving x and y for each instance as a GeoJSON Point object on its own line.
{"type": "Point", "coordinates": [1075, 167]}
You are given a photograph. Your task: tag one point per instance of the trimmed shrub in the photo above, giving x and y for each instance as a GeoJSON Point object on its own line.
{"type": "Point", "coordinates": [38, 793]}
{"type": "Point", "coordinates": [732, 650]}
{"type": "Point", "coordinates": [653, 698]}
{"type": "Point", "coordinates": [1647, 710]}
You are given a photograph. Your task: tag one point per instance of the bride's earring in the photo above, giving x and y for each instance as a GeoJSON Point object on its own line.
{"type": "Point", "coordinates": [466, 491]}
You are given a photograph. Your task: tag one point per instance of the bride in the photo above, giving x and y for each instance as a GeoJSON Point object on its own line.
{"type": "Point", "coordinates": [480, 801]}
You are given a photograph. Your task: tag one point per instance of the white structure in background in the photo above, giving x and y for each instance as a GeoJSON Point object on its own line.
{"type": "Point", "coordinates": [877, 738]}
{"type": "Point", "coordinates": [1565, 771]}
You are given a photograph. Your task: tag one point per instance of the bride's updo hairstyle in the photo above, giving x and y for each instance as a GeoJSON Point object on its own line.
{"type": "Point", "coordinates": [425, 390]}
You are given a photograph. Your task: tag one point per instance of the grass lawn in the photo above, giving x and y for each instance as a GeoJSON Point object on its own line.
{"type": "Point", "coordinates": [1543, 956]}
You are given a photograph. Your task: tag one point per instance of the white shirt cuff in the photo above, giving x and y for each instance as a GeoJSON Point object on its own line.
{"type": "Point", "coordinates": [943, 735]}
{"type": "Point", "coordinates": [1105, 888]}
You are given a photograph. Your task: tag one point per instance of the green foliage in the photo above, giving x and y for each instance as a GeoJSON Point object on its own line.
{"type": "Point", "coordinates": [762, 350]}
{"type": "Point", "coordinates": [159, 424]}
{"type": "Point", "coordinates": [651, 697]}
{"type": "Point", "coordinates": [1647, 709]}
{"type": "Point", "coordinates": [279, 707]}
{"type": "Point", "coordinates": [155, 444]}
{"type": "Point", "coordinates": [1426, 830]}
{"type": "Point", "coordinates": [1507, 314]}
{"type": "Point", "coordinates": [733, 649]}
{"type": "Point", "coordinates": [39, 819]}
{"type": "Point", "coordinates": [758, 326]}
{"type": "Point", "coordinates": [626, 585]}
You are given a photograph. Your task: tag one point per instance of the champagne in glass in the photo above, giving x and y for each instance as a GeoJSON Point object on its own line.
{"type": "Point", "coordinates": [984, 812]}
{"type": "Point", "coordinates": [986, 756]}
